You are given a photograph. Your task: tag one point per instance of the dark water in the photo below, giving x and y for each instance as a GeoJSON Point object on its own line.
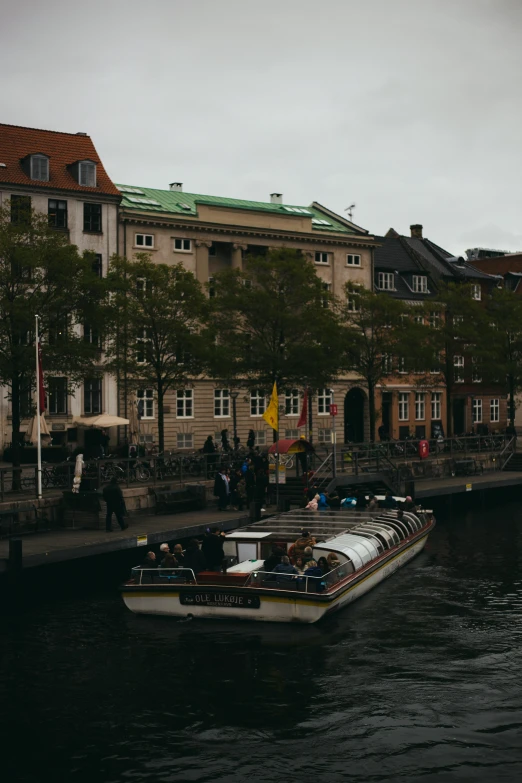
{"type": "Point", "coordinates": [420, 680]}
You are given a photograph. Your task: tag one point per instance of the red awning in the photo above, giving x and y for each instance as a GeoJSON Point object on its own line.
{"type": "Point", "coordinates": [290, 446]}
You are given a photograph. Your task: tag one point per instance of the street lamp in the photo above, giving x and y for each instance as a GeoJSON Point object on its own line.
{"type": "Point", "coordinates": [234, 395]}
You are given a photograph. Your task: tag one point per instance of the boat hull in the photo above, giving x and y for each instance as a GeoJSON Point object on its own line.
{"type": "Point", "coordinates": [261, 604]}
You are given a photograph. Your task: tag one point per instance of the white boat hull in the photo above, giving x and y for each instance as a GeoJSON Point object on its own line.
{"type": "Point", "coordinates": [285, 607]}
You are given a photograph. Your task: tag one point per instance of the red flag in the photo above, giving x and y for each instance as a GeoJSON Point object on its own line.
{"type": "Point", "coordinates": [43, 400]}
{"type": "Point", "coordinates": [304, 411]}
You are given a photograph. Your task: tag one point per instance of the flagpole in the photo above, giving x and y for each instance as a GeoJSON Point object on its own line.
{"type": "Point", "coordinates": [38, 438]}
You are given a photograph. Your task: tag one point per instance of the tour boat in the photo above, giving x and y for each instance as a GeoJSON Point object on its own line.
{"type": "Point", "coordinates": [369, 546]}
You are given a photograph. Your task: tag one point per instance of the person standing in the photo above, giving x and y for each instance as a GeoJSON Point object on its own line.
{"type": "Point", "coordinates": [113, 497]}
{"type": "Point", "coordinates": [222, 489]}
{"type": "Point", "coordinates": [212, 548]}
{"type": "Point", "coordinates": [251, 440]}
{"type": "Point", "coordinates": [224, 441]}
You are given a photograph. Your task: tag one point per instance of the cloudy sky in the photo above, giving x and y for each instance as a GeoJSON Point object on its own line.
{"type": "Point", "coordinates": [411, 109]}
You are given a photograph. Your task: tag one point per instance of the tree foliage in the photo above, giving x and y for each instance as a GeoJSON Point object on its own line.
{"type": "Point", "coordinates": [156, 317]}
{"type": "Point", "coordinates": [501, 344]}
{"type": "Point", "coordinates": [42, 274]}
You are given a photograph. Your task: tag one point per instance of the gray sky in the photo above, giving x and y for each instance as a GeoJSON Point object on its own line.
{"type": "Point", "coordinates": [410, 108]}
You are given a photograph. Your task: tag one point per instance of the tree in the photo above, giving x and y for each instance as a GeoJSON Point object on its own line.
{"type": "Point", "coordinates": [372, 335]}
{"type": "Point", "coordinates": [42, 274]}
{"type": "Point", "coordinates": [501, 344]}
{"type": "Point", "coordinates": [274, 322]}
{"type": "Point", "coordinates": [155, 317]}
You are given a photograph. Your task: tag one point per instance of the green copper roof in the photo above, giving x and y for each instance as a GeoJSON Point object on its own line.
{"type": "Point", "coordinates": [178, 202]}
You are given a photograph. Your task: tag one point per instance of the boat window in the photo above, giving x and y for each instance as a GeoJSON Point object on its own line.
{"type": "Point", "coordinates": [229, 548]}
{"type": "Point", "coordinates": [400, 527]}
{"type": "Point", "coordinates": [382, 535]}
{"type": "Point", "coordinates": [372, 537]}
{"type": "Point", "coordinates": [246, 551]}
{"type": "Point", "coordinates": [392, 530]}
{"type": "Point", "coordinates": [414, 521]}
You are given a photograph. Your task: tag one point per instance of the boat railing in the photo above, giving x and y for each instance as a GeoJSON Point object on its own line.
{"type": "Point", "coordinates": [143, 575]}
{"type": "Point", "coordinates": [301, 582]}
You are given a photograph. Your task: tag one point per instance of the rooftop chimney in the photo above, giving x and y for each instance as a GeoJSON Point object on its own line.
{"type": "Point", "coordinates": [81, 133]}
{"type": "Point", "coordinates": [276, 198]}
{"type": "Point", "coordinates": [176, 186]}
{"type": "Point", "coordinates": [416, 231]}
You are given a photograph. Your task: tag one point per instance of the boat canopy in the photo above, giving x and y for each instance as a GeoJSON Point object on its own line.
{"type": "Point", "coordinates": [290, 446]}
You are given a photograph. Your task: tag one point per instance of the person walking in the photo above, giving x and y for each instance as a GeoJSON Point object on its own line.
{"type": "Point", "coordinates": [113, 497]}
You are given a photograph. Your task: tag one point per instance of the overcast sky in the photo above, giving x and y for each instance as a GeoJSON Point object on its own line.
{"type": "Point", "coordinates": [412, 109]}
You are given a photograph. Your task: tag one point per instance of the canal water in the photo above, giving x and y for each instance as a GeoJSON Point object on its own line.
{"type": "Point", "coordinates": [421, 680]}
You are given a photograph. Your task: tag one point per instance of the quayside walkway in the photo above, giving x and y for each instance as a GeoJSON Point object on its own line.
{"type": "Point", "coordinates": [143, 531]}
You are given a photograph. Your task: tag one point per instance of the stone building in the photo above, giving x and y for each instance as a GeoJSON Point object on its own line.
{"type": "Point", "coordinates": [211, 233]}
{"type": "Point", "coordinates": [62, 176]}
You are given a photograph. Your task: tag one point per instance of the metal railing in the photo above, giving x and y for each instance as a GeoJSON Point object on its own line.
{"type": "Point", "coordinates": [174, 574]}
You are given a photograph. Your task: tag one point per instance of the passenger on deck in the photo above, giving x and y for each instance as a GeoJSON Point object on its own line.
{"type": "Point", "coordinates": [150, 560]}
{"type": "Point", "coordinates": [285, 569]}
{"type": "Point", "coordinates": [274, 558]}
{"type": "Point", "coordinates": [312, 569]}
{"type": "Point", "coordinates": [194, 558]}
{"type": "Point", "coordinates": [334, 501]}
{"type": "Point", "coordinates": [323, 565]}
{"type": "Point", "coordinates": [308, 556]}
{"type": "Point", "coordinates": [164, 550]}
{"type": "Point", "coordinates": [389, 501]}
{"type": "Point", "coordinates": [313, 504]}
{"type": "Point", "coordinates": [361, 500]}
{"type": "Point", "coordinates": [212, 549]}
{"type": "Point", "coordinates": [169, 561]}
{"type": "Point", "coordinates": [300, 565]}
{"type": "Point", "coordinates": [322, 503]}
{"type": "Point", "coordinates": [179, 555]}
{"type": "Point", "coordinates": [409, 504]}
{"type": "Point", "coordinates": [333, 561]}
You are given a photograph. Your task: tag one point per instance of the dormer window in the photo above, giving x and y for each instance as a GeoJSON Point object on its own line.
{"type": "Point", "coordinates": [420, 284]}
{"type": "Point", "coordinates": [87, 173]}
{"type": "Point", "coordinates": [40, 168]}
{"type": "Point", "coordinates": [386, 281]}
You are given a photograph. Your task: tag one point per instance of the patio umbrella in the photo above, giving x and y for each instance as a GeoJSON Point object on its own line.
{"type": "Point", "coordinates": [134, 427]}
{"type": "Point", "coordinates": [78, 470]}
{"type": "Point", "coordinates": [31, 434]}
{"type": "Point", "coordinates": [103, 420]}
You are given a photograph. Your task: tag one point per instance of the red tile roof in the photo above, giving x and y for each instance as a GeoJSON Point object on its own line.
{"type": "Point", "coordinates": [63, 149]}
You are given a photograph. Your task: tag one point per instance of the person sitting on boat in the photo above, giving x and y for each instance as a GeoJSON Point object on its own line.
{"type": "Point", "coordinates": [169, 561]}
{"type": "Point", "coordinates": [373, 503]}
{"type": "Point", "coordinates": [305, 540]}
{"type": "Point", "coordinates": [274, 558]}
{"type": "Point", "coordinates": [323, 565]}
{"type": "Point", "coordinates": [150, 560]}
{"type": "Point", "coordinates": [194, 557]}
{"type": "Point", "coordinates": [308, 557]}
{"type": "Point", "coordinates": [389, 501]}
{"type": "Point", "coordinates": [313, 570]}
{"type": "Point", "coordinates": [409, 504]}
{"type": "Point", "coordinates": [333, 561]}
{"type": "Point", "coordinates": [164, 550]}
{"type": "Point", "coordinates": [284, 569]}
{"type": "Point", "coordinates": [179, 555]}
{"type": "Point", "coordinates": [300, 565]}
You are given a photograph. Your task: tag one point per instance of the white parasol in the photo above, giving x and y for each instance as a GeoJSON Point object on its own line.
{"type": "Point", "coordinates": [78, 470]}
{"type": "Point", "coordinates": [32, 430]}
{"type": "Point", "coordinates": [102, 420]}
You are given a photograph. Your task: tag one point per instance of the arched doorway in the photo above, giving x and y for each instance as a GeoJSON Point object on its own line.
{"type": "Point", "coordinates": [354, 416]}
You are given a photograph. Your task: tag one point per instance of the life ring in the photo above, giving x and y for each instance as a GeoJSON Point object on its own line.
{"type": "Point", "coordinates": [424, 449]}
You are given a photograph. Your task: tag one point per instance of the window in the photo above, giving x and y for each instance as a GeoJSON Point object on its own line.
{"type": "Point", "coordinates": [20, 209]}
{"type": "Point", "coordinates": [434, 320]}
{"type": "Point", "coordinates": [292, 434]}
{"type": "Point", "coordinates": [143, 287]}
{"type": "Point", "coordinates": [477, 411]}
{"type": "Point", "coordinates": [476, 292]}
{"type": "Point", "coordinates": [353, 303]}
{"type": "Point", "coordinates": [494, 410]}
{"type": "Point", "coordinates": [91, 335]}
{"type": "Point", "coordinates": [418, 319]}
{"type": "Point", "coordinates": [260, 437]}
{"type": "Point", "coordinates": [183, 245]}
{"type": "Point", "coordinates": [221, 402]}
{"type": "Point", "coordinates": [386, 361]}
{"type": "Point", "coordinates": [57, 213]}
{"type": "Point", "coordinates": [40, 168]}
{"type": "Point", "coordinates": [324, 435]}
{"type": "Point", "coordinates": [92, 218]}
{"type": "Point", "coordinates": [92, 392]}
{"type": "Point", "coordinates": [401, 365]}
{"type": "Point", "coordinates": [87, 173]}
{"type": "Point", "coordinates": [57, 389]}
{"type": "Point", "coordinates": [420, 406]}
{"type": "Point", "coordinates": [257, 403]}
{"type": "Point", "coordinates": [185, 440]}
{"type": "Point", "coordinates": [58, 329]}
{"type": "Point", "coordinates": [322, 258]}
{"type": "Point", "coordinates": [458, 320]}
{"type": "Point", "coordinates": [292, 403]}
{"type": "Point", "coordinates": [184, 404]}
{"type": "Point", "coordinates": [420, 284]}
{"type": "Point", "coordinates": [320, 222]}
{"type": "Point", "coordinates": [352, 260]}
{"type": "Point", "coordinates": [143, 346]}
{"type": "Point", "coordinates": [325, 299]}
{"type": "Point", "coordinates": [436, 410]}
{"type": "Point", "coordinates": [97, 265]}
{"type": "Point", "coordinates": [324, 400]}
{"type": "Point", "coordinates": [386, 281]}
{"type": "Point", "coordinates": [404, 406]}
{"type": "Point", "coordinates": [476, 375]}
{"type": "Point", "coordinates": [300, 210]}
{"type": "Point", "coordinates": [436, 364]}
{"type": "Point", "coordinates": [145, 399]}
{"type": "Point", "coordinates": [144, 240]}
{"type": "Point", "coordinates": [458, 364]}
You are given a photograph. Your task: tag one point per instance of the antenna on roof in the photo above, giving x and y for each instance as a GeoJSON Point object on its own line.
{"type": "Point", "coordinates": [350, 211]}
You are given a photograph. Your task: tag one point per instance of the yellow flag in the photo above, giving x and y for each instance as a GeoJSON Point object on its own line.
{"type": "Point", "coordinates": [271, 415]}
